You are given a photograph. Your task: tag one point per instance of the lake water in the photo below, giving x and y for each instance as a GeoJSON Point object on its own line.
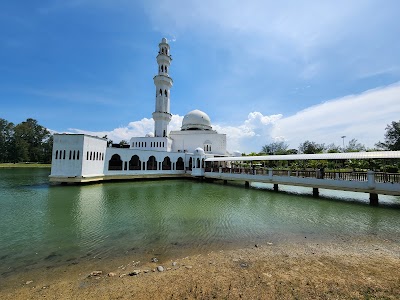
{"type": "Point", "coordinates": [43, 225]}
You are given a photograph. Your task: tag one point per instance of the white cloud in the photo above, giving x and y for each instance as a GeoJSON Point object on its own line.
{"type": "Point", "coordinates": [133, 129]}
{"type": "Point", "coordinates": [312, 39]}
{"type": "Point", "coordinates": [363, 117]}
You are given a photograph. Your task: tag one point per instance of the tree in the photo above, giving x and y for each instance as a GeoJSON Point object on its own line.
{"type": "Point", "coordinates": [392, 137]}
{"type": "Point", "coordinates": [311, 147]}
{"type": "Point", "coordinates": [109, 142]}
{"type": "Point", "coordinates": [354, 146]}
{"type": "Point", "coordinates": [332, 148]}
{"type": "Point", "coordinates": [275, 148]}
{"type": "Point", "coordinates": [29, 141]}
{"type": "Point", "coordinates": [123, 142]}
{"type": "Point", "coordinates": [6, 136]}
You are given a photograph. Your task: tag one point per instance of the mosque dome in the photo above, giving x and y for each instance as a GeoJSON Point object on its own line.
{"type": "Point", "coordinates": [199, 151]}
{"type": "Point", "coordinates": [237, 153]}
{"type": "Point", "coordinates": [196, 120]}
{"type": "Point", "coordinates": [164, 40]}
{"type": "Point", "coordinates": [150, 134]}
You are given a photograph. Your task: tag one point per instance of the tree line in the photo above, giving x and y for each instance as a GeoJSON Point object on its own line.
{"type": "Point", "coordinates": [390, 143]}
{"type": "Point", "coordinates": [27, 141]}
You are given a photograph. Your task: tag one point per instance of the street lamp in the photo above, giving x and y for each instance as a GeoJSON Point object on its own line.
{"type": "Point", "coordinates": [343, 136]}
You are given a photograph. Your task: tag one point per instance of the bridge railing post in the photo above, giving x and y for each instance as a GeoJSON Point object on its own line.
{"type": "Point", "coordinates": [371, 179]}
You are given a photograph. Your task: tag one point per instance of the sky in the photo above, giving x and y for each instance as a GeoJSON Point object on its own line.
{"type": "Point", "coordinates": [263, 71]}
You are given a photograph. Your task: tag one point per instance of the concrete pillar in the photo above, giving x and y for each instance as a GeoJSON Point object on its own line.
{"type": "Point", "coordinates": [225, 182]}
{"type": "Point", "coordinates": [373, 199]}
{"type": "Point", "coordinates": [276, 187]}
{"type": "Point", "coordinates": [246, 184]}
{"type": "Point", "coordinates": [371, 179]}
{"type": "Point", "coordinates": [315, 192]}
{"type": "Point", "coordinates": [270, 172]}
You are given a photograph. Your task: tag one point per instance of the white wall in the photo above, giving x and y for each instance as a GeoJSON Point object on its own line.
{"type": "Point", "coordinates": [126, 155]}
{"type": "Point", "coordinates": [151, 143]}
{"type": "Point", "coordinates": [192, 139]}
{"type": "Point", "coordinates": [67, 165]}
{"type": "Point", "coordinates": [94, 149]}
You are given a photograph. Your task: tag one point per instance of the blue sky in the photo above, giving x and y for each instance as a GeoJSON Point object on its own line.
{"type": "Point", "coordinates": [262, 70]}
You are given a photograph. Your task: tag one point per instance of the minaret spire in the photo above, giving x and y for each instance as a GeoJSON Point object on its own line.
{"type": "Point", "coordinates": [163, 83]}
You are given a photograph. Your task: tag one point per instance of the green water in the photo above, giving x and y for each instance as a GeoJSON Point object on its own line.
{"type": "Point", "coordinates": [43, 225]}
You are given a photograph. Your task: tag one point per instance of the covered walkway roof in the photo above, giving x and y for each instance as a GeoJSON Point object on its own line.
{"type": "Point", "coordinates": [320, 156]}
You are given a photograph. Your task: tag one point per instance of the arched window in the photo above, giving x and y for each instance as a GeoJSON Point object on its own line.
{"type": "Point", "coordinates": [151, 163]}
{"type": "Point", "coordinates": [165, 93]}
{"type": "Point", "coordinates": [166, 69]}
{"type": "Point", "coordinates": [64, 155]}
{"type": "Point", "coordinates": [91, 154]}
{"type": "Point", "coordinates": [57, 154]}
{"type": "Point", "coordinates": [162, 50]}
{"type": "Point", "coordinates": [70, 154]}
{"type": "Point", "coordinates": [115, 163]}
{"type": "Point", "coordinates": [73, 156]}
{"type": "Point", "coordinates": [102, 156]}
{"type": "Point", "coordinates": [190, 163]}
{"type": "Point", "coordinates": [162, 68]}
{"type": "Point", "coordinates": [198, 163]}
{"type": "Point", "coordinates": [97, 155]}
{"type": "Point", "coordinates": [180, 164]}
{"type": "Point", "coordinates": [160, 92]}
{"type": "Point", "coordinates": [87, 155]}
{"type": "Point", "coordinates": [77, 155]}
{"type": "Point", "coordinates": [207, 146]}
{"type": "Point", "coordinates": [164, 136]}
{"type": "Point", "coordinates": [166, 165]}
{"type": "Point", "coordinates": [135, 163]}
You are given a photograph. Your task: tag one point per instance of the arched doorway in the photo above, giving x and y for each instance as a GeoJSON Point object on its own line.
{"type": "Point", "coordinates": [115, 163]}
{"type": "Point", "coordinates": [135, 163]}
{"type": "Point", "coordinates": [151, 163]}
{"type": "Point", "coordinates": [180, 164]}
{"type": "Point", "coordinates": [198, 163]}
{"type": "Point", "coordinates": [190, 163]}
{"type": "Point", "coordinates": [166, 165]}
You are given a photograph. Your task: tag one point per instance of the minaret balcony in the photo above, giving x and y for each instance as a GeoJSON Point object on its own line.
{"type": "Point", "coordinates": [164, 116]}
{"type": "Point", "coordinates": [163, 79]}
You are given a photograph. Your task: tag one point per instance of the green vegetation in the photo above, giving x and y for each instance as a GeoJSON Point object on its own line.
{"type": "Point", "coordinates": [392, 137]}
{"type": "Point", "coordinates": [24, 165]}
{"type": "Point", "coordinates": [25, 142]}
{"type": "Point", "coordinates": [391, 143]}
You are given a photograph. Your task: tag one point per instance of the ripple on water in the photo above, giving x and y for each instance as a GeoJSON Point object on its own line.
{"type": "Point", "coordinates": [105, 220]}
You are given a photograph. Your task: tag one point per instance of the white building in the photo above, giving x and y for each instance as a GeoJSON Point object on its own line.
{"type": "Point", "coordinates": [84, 158]}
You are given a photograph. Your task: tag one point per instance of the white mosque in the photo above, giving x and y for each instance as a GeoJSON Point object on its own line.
{"type": "Point", "coordinates": [85, 158]}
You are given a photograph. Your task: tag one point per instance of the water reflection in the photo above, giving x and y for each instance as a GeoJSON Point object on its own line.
{"type": "Point", "coordinates": [66, 224]}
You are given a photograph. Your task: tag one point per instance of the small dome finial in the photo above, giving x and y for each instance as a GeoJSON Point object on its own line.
{"type": "Point", "coordinates": [164, 40]}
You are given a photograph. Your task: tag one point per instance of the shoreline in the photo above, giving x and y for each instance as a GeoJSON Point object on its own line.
{"type": "Point", "coordinates": [311, 269]}
{"type": "Point", "coordinates": [24, 165]}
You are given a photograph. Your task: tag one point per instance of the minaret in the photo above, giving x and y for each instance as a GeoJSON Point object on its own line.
{"type": "Point", "coordinates": [163, 84]}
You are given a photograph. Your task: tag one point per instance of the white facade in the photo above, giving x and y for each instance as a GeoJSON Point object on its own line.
{"type": "Point", "coordinates": [163, 83]}
{"type": "Point", "coordinates": [76, 155]}
{"type": "Point", "coordinates": [81, 158]}
{"type": "Point", "coordinates": [210, 141]}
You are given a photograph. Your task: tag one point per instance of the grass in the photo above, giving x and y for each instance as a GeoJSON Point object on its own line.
{"type": "Point", "coordinates": [24, 165]}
